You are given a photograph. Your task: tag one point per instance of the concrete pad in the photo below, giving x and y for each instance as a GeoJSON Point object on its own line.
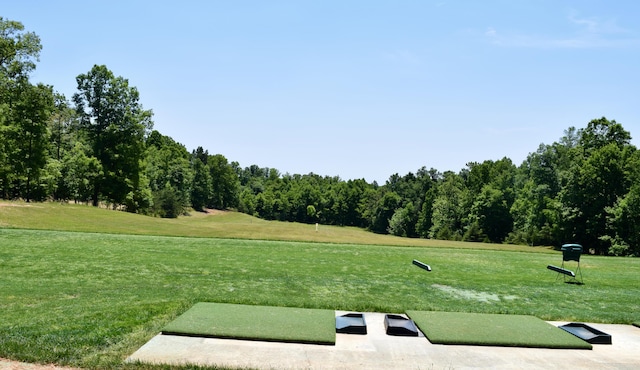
{"type": "Point", "coordinates": [377, 350]}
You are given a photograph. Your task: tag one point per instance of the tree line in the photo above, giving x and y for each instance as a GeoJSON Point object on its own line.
{"type": "Point", "coordinates": [100, 148]}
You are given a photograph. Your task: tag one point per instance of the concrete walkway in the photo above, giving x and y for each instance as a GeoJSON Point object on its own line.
{"type": "Point", "coordinates": [377, 350]}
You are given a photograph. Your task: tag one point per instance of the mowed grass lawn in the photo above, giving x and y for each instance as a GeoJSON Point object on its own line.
{"type": "Point", "coordinates": [90, 299]}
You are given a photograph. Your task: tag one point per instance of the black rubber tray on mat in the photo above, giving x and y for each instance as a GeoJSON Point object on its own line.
{"type": "Point", "coordinates": [587, 333]}
{"type": "Point", "coordinates": [400, 326]}
{"type": "Point", "coordinates": [351, 323]}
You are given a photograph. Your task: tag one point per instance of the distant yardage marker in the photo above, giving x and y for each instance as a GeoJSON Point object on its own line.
{"type": "Point", "coordinates": [422, 265]}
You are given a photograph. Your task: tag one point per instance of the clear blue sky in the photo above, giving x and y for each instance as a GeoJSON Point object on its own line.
{"type": "Point", "coordinates": [356, 89]}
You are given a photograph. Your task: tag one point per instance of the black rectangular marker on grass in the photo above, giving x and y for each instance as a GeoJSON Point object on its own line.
{"type": "Point", "coordinates": [422, 265]}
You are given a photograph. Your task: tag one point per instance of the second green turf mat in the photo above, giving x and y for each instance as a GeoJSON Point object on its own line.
{"type": "Point", "coordinates": [283, 324]}
{"type": "Point", "coordinates": [493, 330]}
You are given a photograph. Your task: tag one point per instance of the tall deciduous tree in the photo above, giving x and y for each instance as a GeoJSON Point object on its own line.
{"type": "Point", "coordinates": [224, 183]}
{"type": "Point", "coordinates": [602, 132]}
{"type": "Point", "coordinates": [491, 195]}
{"type": "Point", "coordinates": [168, 169]}
{"type": "Point", "coordinates": [381, 208]}
{"type": "Point", "coordinates": [201, 186]}
{"type": "Point", "coordinates": [596, 184]}
{"type": "Point", "coordinates": [30, 113]}
{"type": "Point", "coordinates": [448, 208]}
{"type": "Point", "coordinates": [623, 219]}
{"type": "Point", "coordinates": [19, 50]}
{"type": "Point", "coordinates": [61, 123]}
{"type": "Point", "coordinates": [597, 179]}
{"type": "Point", "coordinates": [116, 125]}
{"type": "Point", "coordinates": [24, 111]}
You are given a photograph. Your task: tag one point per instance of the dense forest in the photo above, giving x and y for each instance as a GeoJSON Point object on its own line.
{"type": "Point", "coordinates": [100, 148]}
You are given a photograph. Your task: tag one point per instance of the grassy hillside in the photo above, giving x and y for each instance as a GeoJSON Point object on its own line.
{"type": "Point", "coordinates": [216, 224]}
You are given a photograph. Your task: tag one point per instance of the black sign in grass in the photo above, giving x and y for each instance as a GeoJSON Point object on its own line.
{"type": "Point", "coordinates": [278, 324]}
{"type": "Point", "coordinates": [561, 270]}
{"type": "Point", "coordinates": [422, 265]}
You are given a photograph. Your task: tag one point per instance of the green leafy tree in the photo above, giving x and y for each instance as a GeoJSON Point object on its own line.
{"type": "Point", "coordinates": [50, 178]}
{"type": "Point", "coordinates": [224, 183]}
{"type": "Point", "coordinates": [61, 126]}
{"type": "Point", "coordinates": [30, 113]}
{"type": "Point", "coordinates": [595, 183]}
{"type": "Point", "coordinates": [490, 196]}
{"type": "Point", "coordinates": [401, 222]}
{"type": "Point", "coordinates": [265, 205]}
{"type": "Point", "coordinates": [623, 218]}
{"type": "Point", "coordinates": [115, 124]}
{"type": "Point", "coordinates": [247, 202]}
{"type": "Point", "coordinates": [23, 111]}
{"type": "Point", "coordinates": [425, 218]}
{"type": "Point", "coordinates": [381, 209]}
{"type": "Point", "coordinates": [201, 187]}
{"type": "Point", "coordinates": [536, 209]}
{"type": "Point", "coordinates": [80, 172]}
{"type": "Point", "coordinates": [449, 208]}
{"type": "Point", "coordinates": [348, 201]}
{"type": "Point", "coordinates": [311, 212]}
{"type": "Point", "coordinates": [168, 165]}
{"type": "Point", "coordinates": [168, 203]}
{"type": "Point", "coordinates": [602, 132]}
{"type": "Point", "coordinates": [624, 222]}
{"type": "Point", "coordinates": [490, 216]}
{"type": "Point", "coordinates": [536, 216]}
{"type": "Point", "coordinates": [412, 189]}
{"type": "Point", "coordinates": [19, 50]}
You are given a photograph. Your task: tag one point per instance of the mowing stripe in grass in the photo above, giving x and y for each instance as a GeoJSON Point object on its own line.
{"type": "Point", "coordinates": [493, 330]}
{"type": "Point", "coordinates": [281, 324]}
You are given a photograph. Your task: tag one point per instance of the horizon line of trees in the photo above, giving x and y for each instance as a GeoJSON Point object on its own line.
{"type": "Point", "coordinates": [100, 148]}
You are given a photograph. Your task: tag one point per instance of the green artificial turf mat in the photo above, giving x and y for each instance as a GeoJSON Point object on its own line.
{"type": "Point", "coordinates": [281, 324]}
{"type": "Point", "coordinates": [493, 330]}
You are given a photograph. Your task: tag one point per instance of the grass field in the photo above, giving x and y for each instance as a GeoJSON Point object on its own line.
{"type": "Point", "coordinates": [93, 293]}
{"type": "Point", "coordinates": [233, 225]}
